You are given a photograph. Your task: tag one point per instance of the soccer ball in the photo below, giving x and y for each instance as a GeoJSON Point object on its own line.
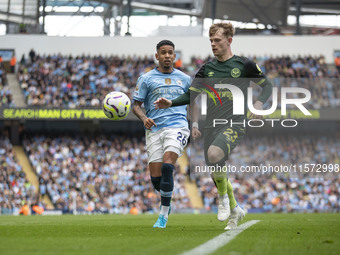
{"type": "Point", "coordinates": [116, 105]}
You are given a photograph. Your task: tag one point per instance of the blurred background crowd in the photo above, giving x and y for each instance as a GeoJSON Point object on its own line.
{"type": "Point", "coordinates": [15, 189]}
{"type": "Point", "coordinates": [284, 191]}
{"type": "Point", "coordinates": [81, 81]}
{"type": "Point", "coordinates": [109, 174]}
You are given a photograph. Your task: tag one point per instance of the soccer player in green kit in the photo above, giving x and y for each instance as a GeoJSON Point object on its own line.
{"type": "Point", "coordinates": [220, 140]}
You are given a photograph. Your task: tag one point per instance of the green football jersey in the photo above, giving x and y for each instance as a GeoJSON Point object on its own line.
{"type": "Point", "coordinates": [237, 71]}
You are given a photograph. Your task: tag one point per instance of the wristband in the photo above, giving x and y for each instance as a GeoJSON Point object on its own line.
{"type": "Point", "coordinates": [195, 124]}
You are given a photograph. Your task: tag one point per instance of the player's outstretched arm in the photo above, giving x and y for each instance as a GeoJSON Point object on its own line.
{"type": "Point", "coordinates": [162, 103]}
{"type": "Point", "coordinates": [137, 110]}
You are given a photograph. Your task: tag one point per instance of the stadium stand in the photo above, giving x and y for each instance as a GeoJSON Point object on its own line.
{"type": "Point", "coordinates": [281, 191]}
{"type": "Point", "coordinates": [107, 173]}
{"type": "Point", "coordinates": [88, 174]}
{"type": "Point", "coordinates": [307, 72]}
{"type": "Point", "coordinates": [15, 189]}
{"type": "Point", "coordinates": [61, 81]}
{"type": "Point", "coordinates": [6, 96]}
{"type": "Point", "coordinates": [100, 173]}
{"type": "Point", "coordinates": [66, 81]}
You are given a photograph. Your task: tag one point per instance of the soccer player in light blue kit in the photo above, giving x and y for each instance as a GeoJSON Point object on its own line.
{"type": "Point", "coordinates": [167, 130]}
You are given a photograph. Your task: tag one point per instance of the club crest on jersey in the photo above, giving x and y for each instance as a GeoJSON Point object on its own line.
{"type": "Point", "coordinates": [179, 82]}
{"type": "Point", "coordinates": [167, 81]}
{"type": "Point", "coordinates": [235, 73]}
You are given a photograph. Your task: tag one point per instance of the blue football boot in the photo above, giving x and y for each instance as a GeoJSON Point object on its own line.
{"type": "Point", "coordinates": [161, 222]}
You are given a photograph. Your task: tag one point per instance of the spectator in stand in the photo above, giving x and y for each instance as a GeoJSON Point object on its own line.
{"type": "Point", "coordinates": [23, 60]}
{"type": "Point", "coordinates": [13, 62]}
{"type": "Point", "coordinates": [32, 55]}
{"type": "Point", "coordinates": [337, 63]}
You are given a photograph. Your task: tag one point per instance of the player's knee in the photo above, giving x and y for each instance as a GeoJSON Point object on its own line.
{"type": "Point", "coordinates": [219, 175]}
{"type": "Point", "coordinates": [167, 171]}
{"type": "Point", "coordinates": [171, 155]}
{"type": "Point", "coordinates": [156, 182]}
{"type": "Point", "coordinates": [215, 154]}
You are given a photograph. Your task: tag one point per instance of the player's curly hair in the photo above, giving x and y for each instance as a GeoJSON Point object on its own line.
{"type": "Point", "coordinates": [227, 28]}
{"type": "Point", "coordinates": [165, 42]}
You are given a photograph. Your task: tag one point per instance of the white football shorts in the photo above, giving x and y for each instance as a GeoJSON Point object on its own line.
{"type": "Point", "coordinates": [165, 139]}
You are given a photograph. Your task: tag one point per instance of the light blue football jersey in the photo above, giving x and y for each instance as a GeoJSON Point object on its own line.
{"type": "Point", "coordinates": [155, 84]}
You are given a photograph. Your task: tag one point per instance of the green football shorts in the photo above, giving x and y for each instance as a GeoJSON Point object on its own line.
{"type": "Point", "coordinates": [227, 138]}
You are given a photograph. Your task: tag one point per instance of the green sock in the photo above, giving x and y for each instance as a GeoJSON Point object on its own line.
{"type": "Point", "coordinates": [221, 185]}
{"type": "Point", "coordinates": [232, 200]}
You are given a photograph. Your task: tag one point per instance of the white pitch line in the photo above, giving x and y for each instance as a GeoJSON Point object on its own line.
{"type": "Point", "coordinates": [220, 240]}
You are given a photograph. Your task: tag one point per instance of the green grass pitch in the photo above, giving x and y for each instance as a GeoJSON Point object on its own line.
{"type": "Point", "coordinates": [129, 234]}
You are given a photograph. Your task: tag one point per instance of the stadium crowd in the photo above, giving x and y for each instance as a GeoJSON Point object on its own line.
{"type": "Point", "coordinates": [82, 81]}
{"type": "Point", "coordinates": [15, 189]}
{"type": "Point", "coordinates": [279, 194]}
{"type": "Point", "coordinates": [282, 191]}
{"type": "Point", "coordinates": [102, 174]}
{"type": "Point", "coordinates": [307, 72]}
{"type": "Point", "coordinates": [109, 175]}
{"type": "Point", "coordinates": [6, 96]}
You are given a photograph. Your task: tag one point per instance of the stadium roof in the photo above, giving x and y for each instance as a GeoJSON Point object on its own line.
{"type": "Point", "coordinates": [267, 12]}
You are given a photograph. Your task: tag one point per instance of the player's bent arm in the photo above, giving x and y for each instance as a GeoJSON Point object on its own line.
{"type": "Point", "coordinates": [254, 72]}
{"type": "Point", "coordinates": [266, 92]}
{"type": "Point", "coordinates": [137, 110]}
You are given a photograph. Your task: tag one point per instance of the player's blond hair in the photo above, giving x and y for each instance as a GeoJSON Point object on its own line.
{"type": "Point", "coordinates": [227, 29]}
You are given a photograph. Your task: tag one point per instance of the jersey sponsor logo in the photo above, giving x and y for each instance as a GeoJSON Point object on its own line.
{"type": "Point", "coordinates": [167, 81]}
{"type": "Point", "coordinates": [235, 73]}
{"type": "Point", "coordinates": [167, 92]}
{"type": "Point", "coordinates": [210, 74]}
{"type": "Point", "coordinates": [179, 82]}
